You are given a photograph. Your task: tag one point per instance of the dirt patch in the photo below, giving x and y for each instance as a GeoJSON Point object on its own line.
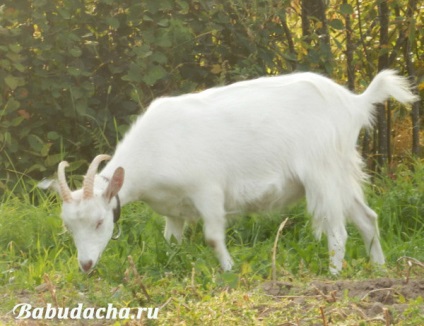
{"type": "Point", "coordinates": [384, 290]}
{"type": "Point", "coordinates": [370, 298]}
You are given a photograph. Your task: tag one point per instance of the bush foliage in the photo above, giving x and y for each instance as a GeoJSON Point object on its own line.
{"type": "Point", "coordinates": [72, 73]}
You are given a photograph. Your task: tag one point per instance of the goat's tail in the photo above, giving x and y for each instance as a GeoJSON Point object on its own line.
{"type": "Point", "coordinates": [389, 84]}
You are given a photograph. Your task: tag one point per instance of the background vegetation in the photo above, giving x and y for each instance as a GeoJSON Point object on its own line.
{"type": "Point", "coordinates": [74, 74]}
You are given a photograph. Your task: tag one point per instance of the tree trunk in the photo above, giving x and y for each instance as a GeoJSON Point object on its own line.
{"type": "Point", "coordinates": [314, 10]}
{"type": "Point", "coordinates": [415, 112]}
{"type": "Point", "coordinates": [289, 37]}
{"type": "Point", "coordinates": [367, 138]}
{"type": "Point", "coordinates": [350, 47]}
{"type": "Point", "coordinates": [383, 141]}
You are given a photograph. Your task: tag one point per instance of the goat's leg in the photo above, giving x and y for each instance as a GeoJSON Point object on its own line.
{"type": "Point", "coordinates": [174, 228]}
{"type": "Point", "coordinates": [336, 237]}
{"type": "Point", "coordinates": [365, 219]}
{"type": "Point", "coordinates": [215, 237]}
{"type": "Point", "coordinates": [211, 207]}
{"type": "Point", "coordinates": [325, 203]}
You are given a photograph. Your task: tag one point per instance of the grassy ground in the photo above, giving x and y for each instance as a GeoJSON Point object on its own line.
{"type": "Point", "coordinates": [38, 266]}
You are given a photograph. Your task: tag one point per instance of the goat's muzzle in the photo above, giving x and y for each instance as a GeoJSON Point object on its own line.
{"type": "Point", "coordinates": [86, 265]}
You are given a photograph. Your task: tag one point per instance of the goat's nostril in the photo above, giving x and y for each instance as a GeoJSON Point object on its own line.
{"type": "Point", "coordinates": [86, 265]}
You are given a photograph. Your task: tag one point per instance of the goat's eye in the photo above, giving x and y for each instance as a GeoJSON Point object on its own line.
{"type": "Point", "coordinates": [99, 223]}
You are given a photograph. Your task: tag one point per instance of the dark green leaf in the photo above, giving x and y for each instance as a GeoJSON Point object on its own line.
{"type": "Point", "coordinates": [134, 74]}
{"type": "Point", "coordinates": [53, 160]}
{"type": "Point", "coordinates": [155, 73]}
{"type": "Point", "coordinates": [12, 105]}
{"type": "Point", "coordinates": [346, 9]}
{"type": "Point", "coordinates": [16, 48]}
{"type": "Point", "coordinates": [53, 135]}
{"type": "Point", "coordinates": [75, 52]}
{"type": "Point", "coordinates": [164, 40]}
{"type": "Point", "coordinates": [35, 143]}
{"type": "Point", "coordinates": [14, 82]}
{"type": "Point", "coordinates": [113, 22]}
{"type": "Point", "coordinates": [336, 24]}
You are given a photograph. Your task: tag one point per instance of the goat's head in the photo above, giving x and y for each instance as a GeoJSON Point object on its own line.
{"type": "Point", "coordinates": [90, 213]}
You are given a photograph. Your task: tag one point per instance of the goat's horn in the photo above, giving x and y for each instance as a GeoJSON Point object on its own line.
{"type": "Point", "coordinates": [88, 185]}
{"type": "Point", "coordinates": [65, 192]}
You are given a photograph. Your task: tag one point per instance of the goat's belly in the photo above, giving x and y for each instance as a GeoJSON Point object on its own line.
{"type": "Point", "coordinates": [264, 197]}
{"type": "Point", "coordinates": [251, 196]}
{"type": "Point", "coordinates": [176, 207]}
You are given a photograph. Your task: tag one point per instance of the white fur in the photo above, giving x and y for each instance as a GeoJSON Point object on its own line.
{"type": "Point", "coordinates": [248, 147]}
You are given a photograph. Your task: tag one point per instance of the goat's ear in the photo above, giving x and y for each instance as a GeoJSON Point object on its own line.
{"type": "Point", "coordinates": [115, 184]}
{"type": "Point", "coordinates": [46, 184]}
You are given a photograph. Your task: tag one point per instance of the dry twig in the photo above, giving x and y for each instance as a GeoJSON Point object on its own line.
{"type": "Point", "coordinates": [387, 316]}
{"type": "Point", "coordinates": [411, 262]}
{"type": "Point", "coordinates": [52, 289]}
{"type": "Point", "coordinates": [329, 298]}
{"type": "Point", "coordinates": [166, 303]}
{"type": "Point", "coordinates": [136, 279]}
{"type": "Point", "coordinates": [274, 250]}
{"type": "Point", "coordinates": [376, 290]}
{"type": "Point", "coordinates": [324, 320]}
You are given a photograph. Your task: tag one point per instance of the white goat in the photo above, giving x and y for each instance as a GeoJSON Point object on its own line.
{"type": "Point", "coordinates": [251, 146]}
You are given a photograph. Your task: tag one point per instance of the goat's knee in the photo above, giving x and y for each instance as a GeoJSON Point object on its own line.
{"type": "Point", "coordinates": [215, 238]}
{"type": "Point", "coordinates": [210, 204]}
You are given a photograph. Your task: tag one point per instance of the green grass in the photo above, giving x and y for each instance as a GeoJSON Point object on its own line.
{"type": "Point", "coordinates": [38, 261]}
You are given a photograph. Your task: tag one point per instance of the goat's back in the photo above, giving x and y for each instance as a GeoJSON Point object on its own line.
{"type": "Point", "coordinates": [268, 121]}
